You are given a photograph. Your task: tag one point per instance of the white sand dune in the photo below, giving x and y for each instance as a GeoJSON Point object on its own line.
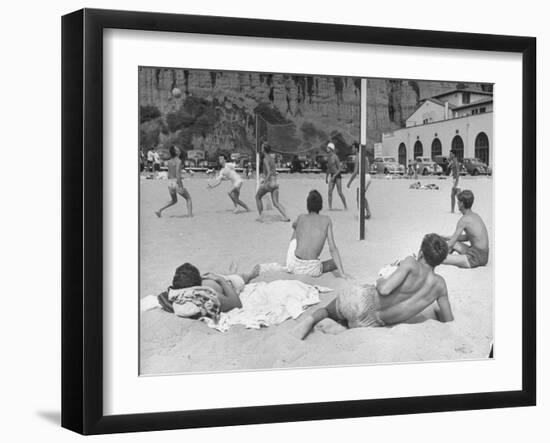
{"type": "Point", "coordinates": [216, 237]}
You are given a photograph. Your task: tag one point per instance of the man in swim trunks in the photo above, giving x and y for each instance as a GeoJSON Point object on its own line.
{"type": "Point", "coordinates": [455, 172]}
{"type": "Point", "coordinates": [311, 231]}
{"type": "Point", "coordinates": [397, 298]}
{"type": "Point", "coordinates": [470, 228]}
{"type": "Point", "coordinates": [334, 172]}
{"type": "Point", "coordinates": [269, 184]}
{"type": "Point", "coordinates": [228, 173]}
{"type": "Point", "coordinates": [175, 183]}
{"type": "Point", "coordinates": [368, 178]}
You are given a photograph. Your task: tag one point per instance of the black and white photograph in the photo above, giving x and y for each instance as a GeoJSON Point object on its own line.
{"type": "Point", "coordinates": [301, 220]}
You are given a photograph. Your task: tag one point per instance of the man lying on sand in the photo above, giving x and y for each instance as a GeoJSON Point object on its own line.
{"type": "Point", "coordinates": [410, 289]}
{"type": "Point", "coordinates": [214, 292]}
{"type": "Point", "coordinates": [469, 228]}
{"type": "Point", "coordinates": [311, 231]}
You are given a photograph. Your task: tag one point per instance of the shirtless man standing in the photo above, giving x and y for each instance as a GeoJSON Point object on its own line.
{"type": "Point", "coordinates": [175, 184]}
{"type": "Point", "coordinates": [269, 184]}
{"type": "Point", "coordinates": [334, 171]}
{"type": "Point", "coordinates": [410, 289]}
{"type": "Point", "coordinates": [470, 228]}
{"type": "Point", "coordinates": [368, 179]}
{"type": "Point", "coordinates": [456, 176]}
{"type": "Point", "coordinates": [228, 173]}
{"type": "Point", "coordinates": [311, 231]}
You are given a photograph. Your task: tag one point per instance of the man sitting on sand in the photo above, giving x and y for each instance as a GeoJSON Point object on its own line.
{"type": "Point", "coordinates": [410, 289]}
{"type": "Point", "coordinates": [311, 231]}
{"type": "Point", "coordinates": [209, 294]}
{"type": "Point", "coordinates": [469, 228]}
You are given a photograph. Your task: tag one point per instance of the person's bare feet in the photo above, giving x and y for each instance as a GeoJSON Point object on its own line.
{"type": "Point", "coordinates": [255, 272]}
{"type": "Point", "coordinates": [233, 268]}
{"type": "Point", "coordinates": [303, 328]}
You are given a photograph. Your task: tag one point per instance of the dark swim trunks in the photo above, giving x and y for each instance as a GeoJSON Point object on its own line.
{"type": "Point", "coordinates": [476, 257]}
{"type": "Point", "coordinates": [336, 176]}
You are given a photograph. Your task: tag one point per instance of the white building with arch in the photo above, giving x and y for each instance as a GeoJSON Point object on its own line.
{"type": "Point", "coordinates": [458, 119]}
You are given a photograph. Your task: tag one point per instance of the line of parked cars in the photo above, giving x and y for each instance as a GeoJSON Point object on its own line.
{"type": "Point", "coordinates": [440, 165]}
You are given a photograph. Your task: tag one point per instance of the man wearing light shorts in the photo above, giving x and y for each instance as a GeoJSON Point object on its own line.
{"type": "Point", "coordinates": [311, 232]}
{"type": "Point", "coordinates": [175, 183]}
{"type": "Point", "coordinates": [228, 173]}
{"type": "Point", "coordinates": [368, 178]}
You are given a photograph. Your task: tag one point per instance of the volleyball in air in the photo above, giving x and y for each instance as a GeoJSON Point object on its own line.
{"type": "Point", "coordinates": [176, 92]}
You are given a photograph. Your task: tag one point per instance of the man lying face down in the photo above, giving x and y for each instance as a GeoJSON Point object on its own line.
{"type": "Point", "coordinates": [410, 289]}
{"type": "Point", "coordinates": [222, 290]}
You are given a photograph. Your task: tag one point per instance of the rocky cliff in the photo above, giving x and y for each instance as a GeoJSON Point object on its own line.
{"type": "Point", "coordinates": [216, 110]}
{"type": "Point", "coordinates": [302, 111]}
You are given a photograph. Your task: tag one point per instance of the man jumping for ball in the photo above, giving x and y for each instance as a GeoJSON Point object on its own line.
{"type": "Point", "coordinates": [228, 173]}
{"type": "Point", "coordinates": [175, 183]}
{"type": "Point", "coordinates": [269, 184]}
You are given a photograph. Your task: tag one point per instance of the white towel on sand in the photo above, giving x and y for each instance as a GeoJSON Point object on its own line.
{"type": "Point", "coordinates": [268, 304]}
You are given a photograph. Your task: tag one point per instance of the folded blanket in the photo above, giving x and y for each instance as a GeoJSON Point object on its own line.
{"type": "Point", "coordinates": [268, 304]}
{"type": "Point", "coordinates": [195, 302]}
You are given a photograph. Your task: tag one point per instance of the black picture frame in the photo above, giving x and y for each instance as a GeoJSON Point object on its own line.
{"type": "Point", "coordinates": [82, 220]}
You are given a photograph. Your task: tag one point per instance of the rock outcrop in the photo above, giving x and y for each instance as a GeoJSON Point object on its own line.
{"type": "Point", "coordinates": [217, 110]}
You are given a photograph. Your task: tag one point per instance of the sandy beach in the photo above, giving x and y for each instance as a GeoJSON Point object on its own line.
{"type": "Point", "coordinates": [216, 237]}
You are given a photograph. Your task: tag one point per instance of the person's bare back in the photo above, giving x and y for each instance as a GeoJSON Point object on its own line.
{"type": "Point", "coordinates": [311, 231]}
{"type": "Point", "coordinates": [470, 228]}
{"type": "Point", "coordinates": [174, 168]}
{"type": "Point", "coordinates": [420, 286]}
{"type": "Point", "coordinates": [311, 234]}
{"type": "Point", "coordinates": [408, 290]}
{"type": "Point", "coordinates": [475, 230]}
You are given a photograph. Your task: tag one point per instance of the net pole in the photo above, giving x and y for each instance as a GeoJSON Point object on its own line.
{"type": "Point", "coordinates": [257, 157]}
{"type": "Point", "coordinates": [362, 153]}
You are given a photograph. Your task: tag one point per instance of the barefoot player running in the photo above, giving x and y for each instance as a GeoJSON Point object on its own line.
{"type": "Point", "coordinates": [228, 173]}
{"type": "Point", "coordinates": [175, 184]}
{"type": "Point", "coordinates": [456, 176]}
{"type": "Point", "coordinates": [269, 184]}
{"type": "Point", "coordinates": [334, 171]}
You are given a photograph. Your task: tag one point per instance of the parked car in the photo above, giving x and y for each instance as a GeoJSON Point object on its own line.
{"type": "Point", "coordinates": [299, 163]}
{"type": "Point", "coordinates": [387, 165]}
{"type": "Point", "coordinates": [426, 166]}
{"type": "Point", "coordinates": [474, 166]}
{"type": "Point", "coordinates": [444, 163]}
{"type": "Point", "coordinates": [321, 162]}
{"type": "Point", "coordinates": [350, 162]}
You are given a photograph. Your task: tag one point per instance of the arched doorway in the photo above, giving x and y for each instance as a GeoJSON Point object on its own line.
{"type": "Point", "coordinates": [436, 148]}
{"type": "Point", "coordinates": [457, 145]}
{"type": "Point", "coordinates": [402, 154]}
{"type": "Point", "coordinates": [418, 150]}
{"type": "Point", "coordinates": [482, 147]}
